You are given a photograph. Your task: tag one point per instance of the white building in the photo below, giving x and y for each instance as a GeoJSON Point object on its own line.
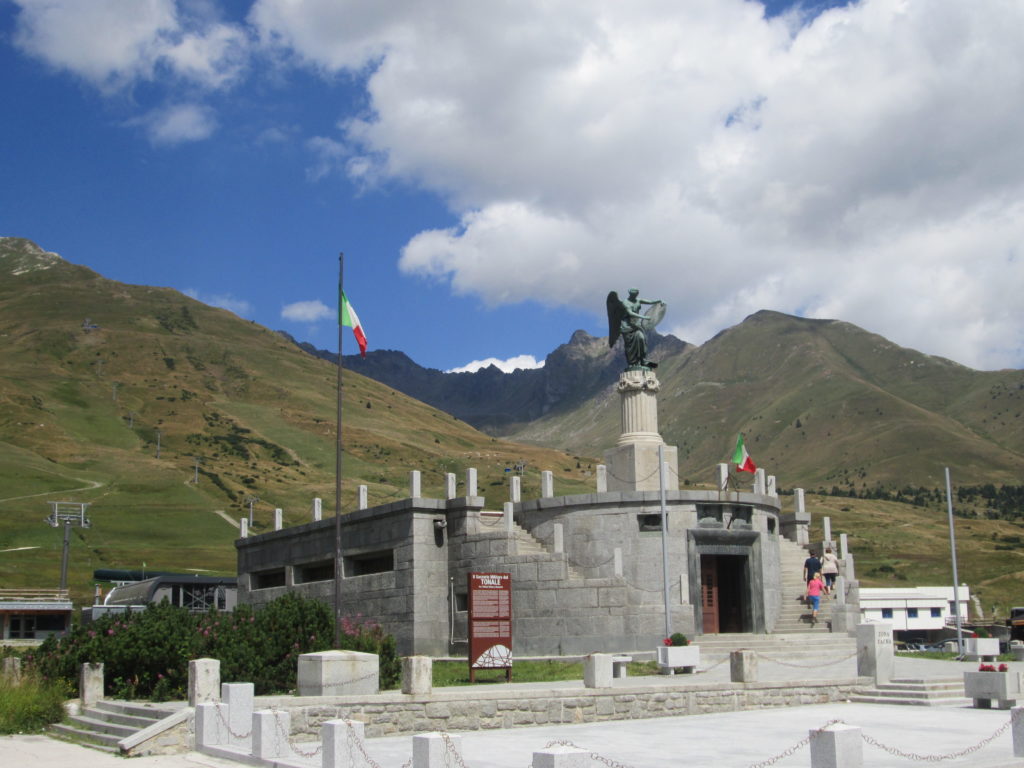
{"type": "Point", "coordinates": [914, 609]}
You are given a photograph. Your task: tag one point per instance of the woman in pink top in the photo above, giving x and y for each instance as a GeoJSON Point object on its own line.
{"type": "Point", "coordinates": [814, 588]}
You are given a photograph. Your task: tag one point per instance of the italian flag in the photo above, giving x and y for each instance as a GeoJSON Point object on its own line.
{"type": "Point", "coordinates": [741, 458]}
{"type": "Point", "coordinates": [347, 317]}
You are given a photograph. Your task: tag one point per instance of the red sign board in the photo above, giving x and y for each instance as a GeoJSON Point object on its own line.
{"type": "Point", "coordinates": [490, 623]}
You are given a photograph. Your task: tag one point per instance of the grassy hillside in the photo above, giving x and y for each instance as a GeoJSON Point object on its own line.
{"type": "Point", "coordinates": [83, 408]}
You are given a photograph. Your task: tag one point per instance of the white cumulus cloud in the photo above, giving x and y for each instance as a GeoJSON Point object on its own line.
{"type": "Point", "coordinates": [177, 124]}
{"type": "Point", "coordinates": [240, 307]}
{"type": "Point", "coordinates": [524, 362]}
{"type": "Point", "coordinates": [307, 311]}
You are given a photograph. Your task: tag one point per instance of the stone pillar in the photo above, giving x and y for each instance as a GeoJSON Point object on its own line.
{"type": "Point", "coordinates": [318, 509]}
{"type": "Point", "coordinates": [515, 489]}
{"type": "Point", "coordinates": [838, 746]}
{"type": "Point", "coordinates": [633, 464]}
{"type": "Point", "coordinates": [338, 673]}
{"type": "Point", "coordinates": [759, 482]}
{"type": "Point", "coordinates": [617, 555]}
{"type": "Point", "coordinates": [509, 522]}
{"type": "Point", "coordinates": [450, 485]}
{"type": "Point", "coordinates": [743, 666]}
{"type": "Point", "coordinates": [238, 700]}
{"type": "Point", "coordinates": [875, 652]}
{"type": "Point", "coordinates": [803, 535]}
{"type": "Point", "coordinates": [561, 756]}
{"type": "Point", "coordinates": [430, 750]}
{"type": "Point", "coordinates": [547, 484]}
{"type": "Point", "coordinates": [417, 675]}
{"type": "Point", "coordinates": [203, 681]}
{"type": "Point", "coordinates": [243, 528]}
{"type": "Point", "coordinates": [601, 476]}
{"type": "Point", "coordinates": [850, 570]}
{"type": "Point", "coordinates": [415, 487]}
{"type": "Point", "coordinates": [772, 489]}
{"type": "Point", "coordinates": [334, 737]}
{"type": "Point", "coordinates": [558, 538]}
{"type": "Point", "coordinates": [363, 497]}
{"type": "Point", "coordinates": [211, 725]}
{"type": "Point", "coordinates": [844, 547]}
{"type": "Point", "coordinates": [12, 670]}
{"type": "Point", "coordinates": [1017, 721]}
{"type": "Point", "coordinates": [471, 481]}
{"type": "Point", "coordinates": [271, 729]}
{"type": "Point", "coordinates": [597, 670]}
{"type": "Point", "coordinates": [278, 519]}
{"type": "Point", "coordinates": [826, 523]}
{"type": "Point", "coordinates": [90, 684]}
{"type": "Point", "coordinates": [722, 477]}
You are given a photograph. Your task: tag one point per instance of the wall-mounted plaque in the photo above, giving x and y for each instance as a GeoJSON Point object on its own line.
{"type": "Point", "coordinates": [490, 623]}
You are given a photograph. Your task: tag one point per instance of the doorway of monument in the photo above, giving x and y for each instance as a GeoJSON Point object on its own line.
{"type": "Point", "coordinates": [725, 594]}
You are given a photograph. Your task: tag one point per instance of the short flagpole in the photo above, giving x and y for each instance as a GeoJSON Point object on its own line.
{"type": "Point", "coordinates": [337, 466]}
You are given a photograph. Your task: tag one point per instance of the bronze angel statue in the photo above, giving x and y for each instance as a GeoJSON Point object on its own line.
{"type": "Point", "coordinates": [626, 318]}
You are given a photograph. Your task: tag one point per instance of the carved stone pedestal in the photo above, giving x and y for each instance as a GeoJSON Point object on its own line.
{"type": "Point", "coordinates": [633, 462]}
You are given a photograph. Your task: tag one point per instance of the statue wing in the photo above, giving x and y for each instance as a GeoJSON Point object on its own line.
{"type": "Point", "coordinates": [615, 313]}
{"type": "Point", "coordinates": [654, 316]}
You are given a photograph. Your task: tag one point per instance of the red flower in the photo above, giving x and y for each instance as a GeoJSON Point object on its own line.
{"type": "Point", "coordinates": [667, 641]}
{"type": "Point", "coordinates": [1003, 668]}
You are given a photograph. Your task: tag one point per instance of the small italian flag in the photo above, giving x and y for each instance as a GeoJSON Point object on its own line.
{"type": "Point", "coordinates": [347, 317]}
{"type": "Point", "coordinates": [741, 458]}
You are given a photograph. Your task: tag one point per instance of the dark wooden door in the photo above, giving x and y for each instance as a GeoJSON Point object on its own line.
{"type": "Point", "coordinates": [709, 594]}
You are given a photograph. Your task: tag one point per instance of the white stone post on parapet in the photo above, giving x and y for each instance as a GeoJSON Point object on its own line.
{"type": "Point", "coordinates": [597, 670]}
{"type": "Point", "coordinates": [515, 489]}
{"type": "Point", "coordinates": [561, 756]}
{"type": "Point", "coordinates": [318, 509]}
{"type": "Point", "coordinates": [450, 485]}
{"type": "Point", "coordinates": [826, 523]}
{"type": "Point", "coordinates": [772, 489]}
{"type": "Point", "coordinates": [203, 681]}
{"type": "Point", "coordinates": [803, 534]}
{"type": "Point", "coordinates": [243, 528]}
{"type": "Point", "coordinates": [547, 484]}
{"type": "Point", "coordinates": [90, 684]}
{"type": "Point", "coordinates": [837, 746]}
{"type": "Point", "coordinates": [415, 484]}
{"type": "Point", "coordinates": [759, 482]}
{"type": "Point", "coordinates": [364, 501]}
{"type": "Point", "coordinates": [278, 519]}
{"type": "Point", "coordinates": [212, 725]}
{"type": "Point", "coordinates": [558, 538]}
{"type": "Point", "coordinates": [875, 652]}
{"type": "Point", "coordinates": [238, 700]}
{"type": "Point", "coordinates": [471, 482]}
{"type": "Point", "coordinates": [601, 476]}
{"type": "Point", "coordinates": [430, 750]}
{"type": "Point", "coordinates": [335, 739]}
{"type": "Point", "coordinates": [508, 517]}
{"type": "Point", "coordinates": [722, 477]}
{"type": "Point", "coordinates": [271, 729]}
{"type": "Point", "coordinates": [844, 547]}
{"type": "Point", "coordinates": [417, 675]}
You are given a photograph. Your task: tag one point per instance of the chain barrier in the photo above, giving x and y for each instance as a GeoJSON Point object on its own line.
{"type": "Point", "coordinates": [240, 736]}
{"type": "Point", "coordinates": [293, 744]}
{"type": "Point", "coordinates": [896, 752]}
{"type": "Point", "coordinates": [592, 755]}
{"type": "Point", "coordinates": [451, 754]}
{"type": "Point", "coordinates": [718, 663]}
{"type": "Point", "coordinates": [796, 747]}
{"type": "Point", "coordinates": [355, 744]}
{"type": "Point", "coordinates": [805, 666]}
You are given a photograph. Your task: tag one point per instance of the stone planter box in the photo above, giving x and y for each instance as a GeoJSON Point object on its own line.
{"type": "Point", "coordinates": [986, 687]}
{"type": "Point", "coordinates": [977, 648]}
{"type": "Point", "coordinates": [672, 657]}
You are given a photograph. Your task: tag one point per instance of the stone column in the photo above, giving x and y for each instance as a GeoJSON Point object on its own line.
{"type": "Point", "coordinates": [271, 729]}
{"type": "Point", "coordinates": [90, 684]}
{"type": "Point", "coordinates": [415, 491]}
{"type": "Point", "coordinates": [238, 699]}
{"type": "Point", "coordinates": [417, 675]}
{"type": "Point", "coordinates": [450, 486]}
{"type": "Point", "coordinates": [722, 477]}
{"type": "Point", "coordinates": [547, 484]}
{"type": "Point", "coordinates": [471, 481]}
{"type": "Point", "coordinates": [633, 462]}
{"type": "Point", "coordinates": [743, 666]}
{"type": "Point", "coordinates": [759, 482]}
{"type": "Point", "coordinates": [875, 652]}
{"type": "Point", "coordinates": [318, 509]}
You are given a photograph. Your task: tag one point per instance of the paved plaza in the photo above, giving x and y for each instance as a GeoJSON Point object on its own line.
{"type": "Point", "coordinates": [727, 740]}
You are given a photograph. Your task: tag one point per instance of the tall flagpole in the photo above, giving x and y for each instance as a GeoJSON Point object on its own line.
{"type": "Point", "coordinates": [337, 468]}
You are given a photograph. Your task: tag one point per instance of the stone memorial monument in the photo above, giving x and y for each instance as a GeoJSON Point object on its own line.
{"type": "Point", "coordinates": [632, 464]}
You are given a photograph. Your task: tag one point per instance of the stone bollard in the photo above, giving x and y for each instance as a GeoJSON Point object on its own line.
{"type": "Point", "coordinates": [212, 725]}
{"type": "Point", "coordinates": [1017, 724]}
{"type": "Point", "coordinates": [743, 666]}
{"type": "Point", "coordinates": [875, 652]}
{"type": "Point", "coordinates": [431, 750]}
{"type": "Point", "coordinates": [509, 516]}
{"type": "Point", "coordinates": [415, 484]}
{"type": "Point", "coordinates": [203, 681]}
{"type": "Point", "coordinates": [471, 481]}
{"type": "Point", "coordinates": [597, 670]}
{"type": "Point", "coordinates": [450, 486]}
{"type": "Point", "coordinates": [335, 736]}
{"type": "Point", "coordinates": [243, 528]}
{"type": "Point", "coordinates": [547, 484]}
{"type": "Point", "coordinates": [417, 675]}
{"type": "Point", "coordinates": [562, 756]}
{"type": "Point", "coordinates": [90, 684]}
{"type": "Point", "coordinates": [338, 673]}
{"type": "Point", "coordinates": [238, 700]}
{"type": "Point", "coordinates": [515, 489]}
{"type": "Point", "coordinates": [722, 477]}
{"type": "Point", "coordinates": [318, 509]}
{"type": "Point", "coordinates": [12, 670]}
{"type": "Point", "coordinates": [278, 519]}
{"type": "Point", "coordinates": [601, 478]}
{"type": "Point", "coordinates": [839, 746]}
{"type": "Point", "coordinates": [364, 497]}
{"type": "Point", "coordinates": [271, 729]}
{"type": "Point", "coordinates": [760, 485]}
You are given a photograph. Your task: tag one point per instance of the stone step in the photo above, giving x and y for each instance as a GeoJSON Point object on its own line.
{"type": "Point", "coordinates": [99, 726]}
{"type": "Point", "coordinates": [133, 722]}
{"type": "Point", "coordinates": [860, 698]}
{"type": "Point", "coordinates": [104, 742]}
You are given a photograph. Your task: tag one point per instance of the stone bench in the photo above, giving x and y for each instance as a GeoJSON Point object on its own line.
{"type": "Point", "coordinates": [620, 665]}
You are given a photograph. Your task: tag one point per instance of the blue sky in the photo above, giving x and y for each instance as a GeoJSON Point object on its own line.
{"type": "Point", "coordinates": [491, 170]}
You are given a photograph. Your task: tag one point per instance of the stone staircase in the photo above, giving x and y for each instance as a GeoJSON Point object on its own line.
{"type": "Point", "coordinates": [105, 723]}
{"type": "Point", "coordinates": [794, 614]}
{"type": "Point", "coordinates": [934, 692]}
{"type": "Point", "coordinates": [528, 544]}
{"type": "Point", "coordinates": [799, 648]}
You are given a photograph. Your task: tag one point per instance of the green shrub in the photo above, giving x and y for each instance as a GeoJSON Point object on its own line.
{"type": "Point", "coordinates": [678, 638]}
{"type": "Point", "coordinates": [32, 704]}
